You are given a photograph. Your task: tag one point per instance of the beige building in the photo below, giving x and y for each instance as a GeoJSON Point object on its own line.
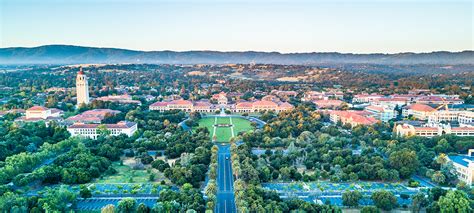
{"type": "Point", "coordinates": [40, 113]}
{"type": "Point", "coordinates": [407, 130]}
{"type": "Point", "coordinates": [418, 111]}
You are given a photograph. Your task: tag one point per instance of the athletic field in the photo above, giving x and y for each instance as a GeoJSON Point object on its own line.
{"type": "Point", "coordinates": [223, 128]}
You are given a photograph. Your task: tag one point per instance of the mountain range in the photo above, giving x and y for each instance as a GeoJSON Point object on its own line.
{"type": "Point", "coordinates": [67, 54]}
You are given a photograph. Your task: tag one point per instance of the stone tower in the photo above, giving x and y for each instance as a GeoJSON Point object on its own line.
{"type": "Point", "coordinates": [82, 88]}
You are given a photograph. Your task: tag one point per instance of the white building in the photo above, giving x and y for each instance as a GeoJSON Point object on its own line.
{"type": "Point", "coordinates": [90, 130]}
{"type": "Point", "coordinates": [382, 113]}
{"type": "Point", "coordinates": [366, 98]}
{"type": "Point", "coordinates": [464, 165]}
{"type": "Point", "coordinates": [466, 119]}
{"type": "Point", "coordinates": [82, 88]}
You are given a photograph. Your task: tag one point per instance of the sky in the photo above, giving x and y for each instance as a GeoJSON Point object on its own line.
{"type": "Point", "coordinates": [382, 26]}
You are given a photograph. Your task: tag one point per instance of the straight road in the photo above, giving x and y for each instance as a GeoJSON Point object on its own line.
{"type": "Point", "coordinates": [225, 181]}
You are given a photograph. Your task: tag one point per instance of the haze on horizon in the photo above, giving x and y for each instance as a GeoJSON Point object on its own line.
{"type": "Point", "coordinates": [236, 25]}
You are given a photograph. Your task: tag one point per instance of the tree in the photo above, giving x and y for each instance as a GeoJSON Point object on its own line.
{"type": "Point", "coordinates": [369, 209]}
{"type": "Point", "coordinates": [110, 208]}
{"type": "Point", "coordinates": [102, 130]}
{"type": "Point", "coordinates": [418, 201]}
{"type": "Point", "coordinates": [384, 200]}
{"type": "Point", "coordinates": [351, 198]}
{"type": "Point", "coordinates": [85, 192]}
{"type": "Point", "coordinates": [127, 205]}
{"type": "Point", "coordinates": [454, 201]}
{"type": "Point", "coordinates": [142, 208]}
{"type": "Point", "coordinates": [405, 161]}
{"type": "Point", "coordinates": [438, 177]}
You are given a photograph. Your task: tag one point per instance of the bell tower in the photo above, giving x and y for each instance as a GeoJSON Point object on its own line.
{"type": "Point", "coordinates": [82, 88]}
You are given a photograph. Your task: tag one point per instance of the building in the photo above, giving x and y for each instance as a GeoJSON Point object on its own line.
{"type": "Point", "coordinates": [91, 130]}
{"type": "Point", "coordinates": [262, 105]}
{"type": "Point", "coordinates": [40, 113]}
{"type": "Point", "coordinates": [390, 102]}
{"type": "Point", "coordinates": [366, 98]}
{"type": "Point", "coordinates": [220, 98]}
{"type": "Point", "coordinates": [418, 111]}
{"type": "Point", "coordinates": [82, 88]}
{"type": "Point", "coordinates": [464, 165]}
{"type": "Point", "coordinates": [123, 99]}
{"type": "Point", "coordinates": [353, 118]}
{"type": "Point", "coordinates": [445, 116]}
{"type": "Point", "coordinates": [92, 116]}
{"type": "Point", "coordinates": [407, 130]}
{"type": "Point", "coordinates": [314, 95]}
{"type": "Point", "coordinates": [381, 113]}
{"type": "Point", "coordinates": [206, 106]}
{"type": "Point", "coordinates": [466, 119]}
{"type": "Point", "coordinates": [328, 104]}
{"type": "Point", "coordinates": [439, 99]}
{"type": "Point", "coordinates": [181, 104]}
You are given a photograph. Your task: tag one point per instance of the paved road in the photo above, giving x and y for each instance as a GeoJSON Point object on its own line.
{"type": "Point", "coordinates": [225, 181]}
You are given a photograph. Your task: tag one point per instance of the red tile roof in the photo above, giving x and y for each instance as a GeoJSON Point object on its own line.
{"type": "Point", "coordinates": [421, 107]}
{"type": "Point", "coordinates": [38, 108]}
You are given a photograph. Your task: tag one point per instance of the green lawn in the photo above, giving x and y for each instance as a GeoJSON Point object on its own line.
{"type": "Point", "coordinates": [125, 174]}
{"type": "Point", "coordinates": [223, 134]}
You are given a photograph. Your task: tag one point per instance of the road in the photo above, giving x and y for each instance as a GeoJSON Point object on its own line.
{"type": "Point", "coordinates": [225, 181]}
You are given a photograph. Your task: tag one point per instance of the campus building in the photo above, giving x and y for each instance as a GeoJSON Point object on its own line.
{"type": "Point", "coordinates": [40, 113]}
{"type": "Point", "coordinates": [329, 104]}
{"type": "Point", "coordinates": [353, 118]}
{"type": "Point", "coordinates": [366, 98]}
{"type": "Point", "coordinates": [464, 165]}
{"type": "Point", "coordinates": [220, 98]}
{"type": "Point", "coordinates": [206, 106]}
{"type": "Point", "coordinates": [92, 116]}
{"type": "Point", "coordinates": [91, 130]}
{"type": "Point", "coordinates": [381, 113]}
{"type": "Point", "coordinates": [123, 99]}
{"type": "Point", "coordinates": [82, 88]}
{"type": "Point", "coordinates": [407, 130]}
{"type": "Point", "coordinates": [257, 106]}
{"type": "Point", "coordinates": [418, 111]}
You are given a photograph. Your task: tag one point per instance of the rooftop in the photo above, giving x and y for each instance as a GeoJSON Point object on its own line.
{"type": "Point", "coordinates": [462, 159]}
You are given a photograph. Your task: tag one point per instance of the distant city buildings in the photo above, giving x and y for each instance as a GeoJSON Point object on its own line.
{"type": "Point", "coordinates": [82, 88]}
{"type": "Point", "coordinates": [93, 130]}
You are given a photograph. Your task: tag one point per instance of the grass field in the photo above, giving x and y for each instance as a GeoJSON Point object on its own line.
{"type": "Point", "coordinates": [223, 134]}
{"type": "Point", "coordinates": [125, 174]}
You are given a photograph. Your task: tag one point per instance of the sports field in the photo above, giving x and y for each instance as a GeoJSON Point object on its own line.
{"type": "Point", "coordinates": [231, 126]}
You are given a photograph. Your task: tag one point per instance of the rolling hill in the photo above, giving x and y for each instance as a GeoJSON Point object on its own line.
{"type": "Point", "coordinates": [66, 54]}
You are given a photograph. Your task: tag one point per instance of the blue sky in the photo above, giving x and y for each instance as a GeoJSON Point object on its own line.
{"type": "Point", "coordinates": [260, 25]}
